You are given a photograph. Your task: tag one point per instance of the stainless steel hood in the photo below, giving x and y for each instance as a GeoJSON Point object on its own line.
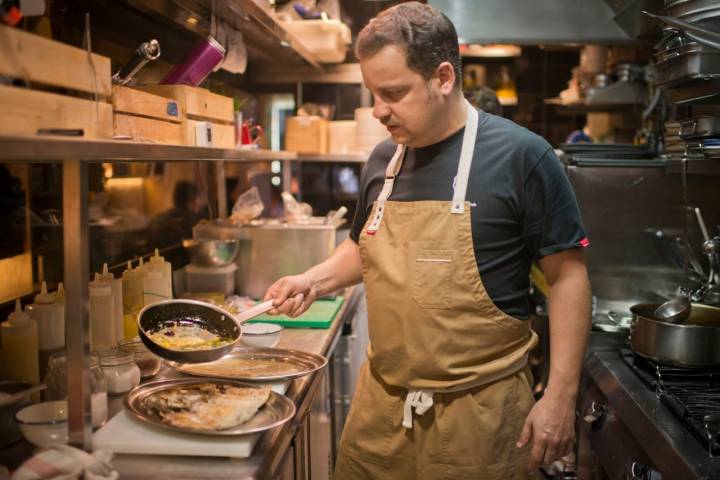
{"type": "Point", "coordinates": [532, 22]}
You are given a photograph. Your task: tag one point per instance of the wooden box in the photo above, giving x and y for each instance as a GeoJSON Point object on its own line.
{"type": "Point", "coordinates": [306, 134]}
{"type": "Point", "coordinates": [341, 136]}
{"type": "Point", "coordinates": [201, 105]}
{"type": "Point", "coordinates": [45, 63]}
{"type": "Point", "coordinates": [146, 117]}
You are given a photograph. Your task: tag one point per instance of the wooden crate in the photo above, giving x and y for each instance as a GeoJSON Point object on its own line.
{"type": "Point", "coordinates": [36, 59]}
{"type": "Point", "coordinates": [44, 63]}
{"type": "Point", "coordinates": [197, 103]}
{"type": "Point", "coordinates": [201, 105]}
{"type": "Point", "coordinates": [341, 136]}
{"type": "Point", "coordinates": [25, 111]}
{"type": "Point", "coordinates": [306, 134]}
{"type": "Point", "coordinates": [146, 117]}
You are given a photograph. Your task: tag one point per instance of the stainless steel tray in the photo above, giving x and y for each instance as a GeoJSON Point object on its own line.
{"type": "Point", "coordinates": [276, 411]}
{"type": "Point", "coordinates": [300, 364]}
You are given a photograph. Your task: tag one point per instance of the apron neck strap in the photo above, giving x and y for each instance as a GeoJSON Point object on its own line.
{"type": "Point", "coordinates": [466, 155]}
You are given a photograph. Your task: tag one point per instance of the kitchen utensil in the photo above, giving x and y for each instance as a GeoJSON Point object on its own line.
{"type": "Point", "coordinates": [211, 253]}
{"type": "Point", "coordinates": [700, 127]}
{"type": "Point", "coordinates": [146, 52]}
{"type": "Point", "coordinates": [675, 310]}
{"type": "Point", "coordinates": [691, 344]}
{"type": "Point", "coordinates": [45, 423]}
{"type": "Point", "coordinates": [276, 411]}
{"type": "Point", "coordinates": [193, 313]}
{"type": "Point", "coordinates": [197, 65]}
{"type": "Point", "coordinates": [299, 364]}
{"type": "Point", "coordinates": [13, 392]}
{"type": "Point", "coordinates": [697, 33]}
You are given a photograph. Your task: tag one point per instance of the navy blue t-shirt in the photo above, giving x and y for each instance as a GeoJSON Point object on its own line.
{"type": "Point", "coordinates": [523, 207]}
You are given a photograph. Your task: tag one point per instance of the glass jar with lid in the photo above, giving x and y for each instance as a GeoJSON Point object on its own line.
{"type": "Point", "coordinates": [56, 381]}
{"type": "Point", "coordinates": [121, 371]}
{"type": "Point", "coordinates": [148, 362]}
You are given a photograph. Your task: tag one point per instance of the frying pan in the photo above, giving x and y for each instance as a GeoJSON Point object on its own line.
{"type": "Point", "coordinates": [207, 316]}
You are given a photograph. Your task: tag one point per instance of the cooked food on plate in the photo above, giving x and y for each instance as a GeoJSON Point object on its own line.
{"type": "Point", "coordinates": [186, 336]}
{"type": "Point", "coordinates": [206, 406]}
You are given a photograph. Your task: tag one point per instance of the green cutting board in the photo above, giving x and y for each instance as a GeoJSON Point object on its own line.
{"type": "Point", "coordinates": [319, 315]}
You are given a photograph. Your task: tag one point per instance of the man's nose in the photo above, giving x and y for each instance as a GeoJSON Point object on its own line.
{"type": "Point", "coordinates": [380, 109]}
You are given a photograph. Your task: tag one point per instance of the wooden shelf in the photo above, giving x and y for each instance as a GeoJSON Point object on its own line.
{"type": "Point", "coordinates": [56, 149]}
{"type": "Point", "coordinates": [333, 157]}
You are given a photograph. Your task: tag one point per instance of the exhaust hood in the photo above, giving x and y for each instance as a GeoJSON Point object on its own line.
{"type": "Point", "coordinates": [532, 22]}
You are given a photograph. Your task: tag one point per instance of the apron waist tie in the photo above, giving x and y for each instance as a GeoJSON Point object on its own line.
{"type": "Point", "coordinates": [422, 400]}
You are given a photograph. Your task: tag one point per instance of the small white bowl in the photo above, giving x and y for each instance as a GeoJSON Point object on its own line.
{"type": "Point", "coordinates": [260, 335]}
{"type": "Point", "coordinates": [44, 424]}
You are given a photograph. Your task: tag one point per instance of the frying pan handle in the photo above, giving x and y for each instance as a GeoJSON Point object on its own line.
{"type": "Point", "coordinates": [253, 312]}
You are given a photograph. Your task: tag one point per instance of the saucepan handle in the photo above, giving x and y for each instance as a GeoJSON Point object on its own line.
{"type": "Point", "coordinates": [253, 312]}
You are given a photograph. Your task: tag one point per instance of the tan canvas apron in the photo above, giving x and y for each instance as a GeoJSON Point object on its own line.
{"type": "Point", "coordinates": [446, 390]}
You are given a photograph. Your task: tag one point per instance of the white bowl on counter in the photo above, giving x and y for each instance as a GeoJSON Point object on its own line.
{"type": "Point", "coordinates": [45, 423]}
{"type": "Point", "coordinates": [260, 335]}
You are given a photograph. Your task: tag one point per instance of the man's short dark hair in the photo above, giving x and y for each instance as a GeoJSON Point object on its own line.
{"type": "Point", "coordinates": [424, 33]}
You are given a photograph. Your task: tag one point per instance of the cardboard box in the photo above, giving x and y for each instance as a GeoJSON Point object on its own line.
{"type": "Point", "coordinates": [306, 134]}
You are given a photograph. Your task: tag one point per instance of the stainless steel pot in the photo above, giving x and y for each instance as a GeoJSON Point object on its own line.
{"type": "Point", "coordinates": [695, 343]}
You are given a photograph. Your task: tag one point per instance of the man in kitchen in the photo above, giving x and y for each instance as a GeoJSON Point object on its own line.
{"type": "Point", "coordinates": [453, 209]}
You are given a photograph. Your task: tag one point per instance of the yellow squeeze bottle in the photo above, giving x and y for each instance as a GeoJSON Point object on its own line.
{"type": "Point", "coordinates": [132, 290]}
{"type": "Point", "coordinates": [19, 347]}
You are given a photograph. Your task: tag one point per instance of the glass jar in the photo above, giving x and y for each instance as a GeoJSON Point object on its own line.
{"type": "Point", "coordinates": [148, 362]}
{"type": "Point", "coordinates": [121, 372]}
{"type": "Point", "coordinates": [56, 381]}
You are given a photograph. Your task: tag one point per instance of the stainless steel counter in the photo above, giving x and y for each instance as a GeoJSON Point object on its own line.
{"type": "Point", "coordinates": [270, 452]}
{"type": "Point", "coordinates": [636, 428]}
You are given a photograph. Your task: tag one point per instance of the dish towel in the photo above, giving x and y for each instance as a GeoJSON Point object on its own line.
{"type": "Point", "coordinates": [62, 462]}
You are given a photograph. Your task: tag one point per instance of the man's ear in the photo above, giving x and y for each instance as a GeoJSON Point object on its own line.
{"type": "Point", "coordinates": [445, 74]}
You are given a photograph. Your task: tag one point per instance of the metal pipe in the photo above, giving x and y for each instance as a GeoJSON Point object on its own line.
{"type": "Point", "coordinates": [77, 272]}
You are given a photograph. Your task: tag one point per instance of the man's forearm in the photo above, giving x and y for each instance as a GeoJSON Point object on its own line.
{"type": "Point", "coordinates": [342, 269]}
{"type": "Point", "coordinates": [569, 326]}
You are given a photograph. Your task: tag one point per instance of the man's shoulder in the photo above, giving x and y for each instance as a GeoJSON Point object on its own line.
{"type": "Point", "coordinates": [509, 141]}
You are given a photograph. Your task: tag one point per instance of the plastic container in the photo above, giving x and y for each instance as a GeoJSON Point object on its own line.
{"type": "Point", "coordinates": [158, 264]}
{"type": "Point", "coordinates": [132, 289]}
{"type": "Point", "coordinates": [50, 318]}
{"type": "Point", "coordinates": [260, 335]}
{"type": "Point", "coordinates": [19, 347]}
{"type": "Point", "coordinates": [327, 40]}
{"type": "Point", "coordinates": [116, 288]}
{"type": "Point", "coordinates": [148, 362]}
{"type": "Point", "coordinates": [209, 279]}
{"type": "Point", "coordinates": [56, 381]}
{"type": "Point", "coordinates": [102, 327]}
{"type": "Point", "coordinates": [121, 372]}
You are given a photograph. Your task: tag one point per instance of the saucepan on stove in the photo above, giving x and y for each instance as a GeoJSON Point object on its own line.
{"type": "Point", "coordinates": [694, 343]}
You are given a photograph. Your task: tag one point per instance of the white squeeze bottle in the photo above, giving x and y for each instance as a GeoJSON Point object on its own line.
{"type": "Point", "coordinates": [19, 347]}
{"type": "Point", "coordinates": [117, 293]}
{"type": "Point", "coordinates": [50, 318]}
{"type": "Point", "coordinates": [60, 294]}
{"type": "Point", "coordinates": [158, 264]}
{"type": "Point", "coordinates": [102, 305]}
{"type": "Point", "coordinates": [132, 290]}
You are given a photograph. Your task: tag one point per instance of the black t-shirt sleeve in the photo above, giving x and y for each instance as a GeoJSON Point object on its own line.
{"type": "Point", "coordinates": [552, 221]}
{"type": "Point", "coordinates": [361, 208]}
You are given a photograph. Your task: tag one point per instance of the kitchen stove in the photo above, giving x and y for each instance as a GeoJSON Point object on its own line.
{"type": "Point", "coordinates": [691, 394]}
{"type": "Point", "coordinates": [638, 420]}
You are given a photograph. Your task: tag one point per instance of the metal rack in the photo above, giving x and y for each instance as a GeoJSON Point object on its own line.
{"type": "Point", "coordinates": [75, 155]}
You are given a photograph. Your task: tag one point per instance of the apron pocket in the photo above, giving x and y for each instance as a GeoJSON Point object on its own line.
{"type": "Point", "coordinates": [431, 277]}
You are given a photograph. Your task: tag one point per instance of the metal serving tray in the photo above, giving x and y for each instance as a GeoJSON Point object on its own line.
{"type": "Point", "coordinates": [298, 363]}
{"type": "Point", "coordinates": [276, 411]}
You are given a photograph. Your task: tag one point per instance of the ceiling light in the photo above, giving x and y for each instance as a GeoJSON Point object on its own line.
{"type": "Point", "coordinates": [495, 50]}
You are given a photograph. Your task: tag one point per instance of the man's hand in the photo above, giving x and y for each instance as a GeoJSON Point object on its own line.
{"type": "Point", "coordinates": [550, 426]}
{"type": "Point", "coordinates": [292, 295]}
